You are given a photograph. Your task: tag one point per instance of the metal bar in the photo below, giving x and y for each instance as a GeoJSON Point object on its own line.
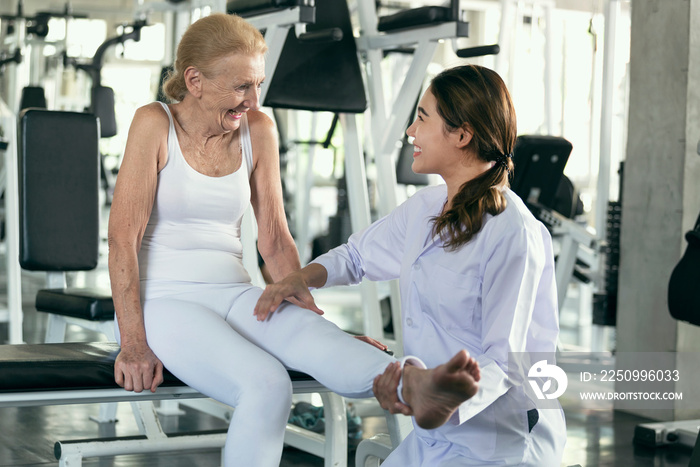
{"type": "Point", "coordinates": [373, 71]}
{"type": "Point", "coordinates": [399, 427]}
{"type": "Point", "coordinates": [305, 183]}
{"type": "Point", "coordinates": [305, 440]}
{"type": "Point", "coordinates": [14, 273]}
{"type": "Point", "coordinates": [564, 268]}
{"type": "Point", "coordinates": [275, 38]}
{"type": "Point", "coordinates": [336, 433]}
{"type": "Point", "coordinates": [358, 199]}
{"type": "Point", "coordinates": [409, 90]}
{"type": "Point", "coordinates": [413, 36]}
{"type": "Point", "coordinates": [367, 14]}
{"type": "Point", "coordinates": [606, 117]}
{"type": "Point", "coordinates": [55, 280]}
{"type": "Point", "coordinates": [287, 16]}
{"type": "Point", "coordinates": [549, 70]}
{"type": "Point", "coordinates": [147, 420]}
{"type": "Point", "coordinates": [93, 448]}
{"type": "Point", "coordinates": [90, 396]}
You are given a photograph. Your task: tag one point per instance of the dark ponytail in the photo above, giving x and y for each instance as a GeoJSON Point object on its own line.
{"type": "Point", "coordinates": [476, 98]}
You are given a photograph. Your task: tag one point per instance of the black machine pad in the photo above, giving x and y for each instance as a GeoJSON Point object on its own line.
{"type": "Point", "coordinates": [89, 304]}
{"type": "Point", "coordinates": [246, 7]}
{"type": "Point", "coordinates": [103, 107]}
{"type": "Point", "coordinates": [683, 292]}
{"type": "Point", "coordinates": [423, 16]}
{"type": "Point", "coordinates": [320, 75]}
{"type": "Point", "coordinates": [32, 96]}
{"type": "Point", "coordinates": [59, 182]}
{"type": "Point", "coordinates": [539, 166]}
{"type": "Point", "coordinates": [72, 365]}
{"type": "Point", "coordinates": [68, 366]}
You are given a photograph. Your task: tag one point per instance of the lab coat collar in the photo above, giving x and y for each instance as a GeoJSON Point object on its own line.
{"type": "Point", "coordinates": [431, 210]}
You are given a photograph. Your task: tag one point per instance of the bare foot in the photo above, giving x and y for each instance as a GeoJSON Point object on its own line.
{"type": "Point", "coordinates": [436, 393]}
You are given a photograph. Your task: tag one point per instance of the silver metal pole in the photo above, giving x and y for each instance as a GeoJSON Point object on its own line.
{"type": "Point", "coordinates": [504, 37]}
{"type": "Point", "coordinates": [612, 12]}
{"type": "Point", "coordinates": [14, 273]}
{"type": "Point", "coordinates": [358, 199]}
{"type": "Point", "coordinates": [549, 69]}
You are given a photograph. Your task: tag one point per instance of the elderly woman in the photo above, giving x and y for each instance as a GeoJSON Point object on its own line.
{"type": "Point", "coordinates": [182, 297]}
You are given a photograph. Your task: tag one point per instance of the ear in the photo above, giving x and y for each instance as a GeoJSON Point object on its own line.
{"type": "Point", "coordinates": [464, 135]}
{"type": "Point", "coordinates": [193, 80]}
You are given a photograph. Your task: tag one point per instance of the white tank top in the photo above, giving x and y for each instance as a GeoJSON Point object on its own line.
{"type": "Point", "coordinates": [194, 232]}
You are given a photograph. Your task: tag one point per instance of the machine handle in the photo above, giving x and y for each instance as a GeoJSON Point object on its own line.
{"type": "Point", "coordinates": [478, 51]}
{"type": "Point", "coordinates": [323, 35]}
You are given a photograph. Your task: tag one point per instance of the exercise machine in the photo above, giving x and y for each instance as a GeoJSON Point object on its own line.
{"type": "Point", "coordinates": [684, 305]}
{"type": "Point", "coordinates": [539, 173]}
{"type": "Point", "coordinates": [102, 97]}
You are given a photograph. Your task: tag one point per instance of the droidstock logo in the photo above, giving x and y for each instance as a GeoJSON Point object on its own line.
{"type": "Point", "coordinates": [544, 371]}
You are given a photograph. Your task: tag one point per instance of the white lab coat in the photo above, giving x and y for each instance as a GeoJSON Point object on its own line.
{"type": "Point", "coordinates": [492, 296]}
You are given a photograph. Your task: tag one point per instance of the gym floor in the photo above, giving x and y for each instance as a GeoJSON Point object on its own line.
{"type": "Point", "coordinates": [596, 438]}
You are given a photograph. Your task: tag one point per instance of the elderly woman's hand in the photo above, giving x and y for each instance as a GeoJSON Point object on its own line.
{"type": "Point", "coordinates": [137, 368]}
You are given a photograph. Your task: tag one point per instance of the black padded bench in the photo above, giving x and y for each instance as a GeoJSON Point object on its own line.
{"type": "Point", "coordinates": [71, 372]}
{"type": "Point", "coordinates": [83, 373]}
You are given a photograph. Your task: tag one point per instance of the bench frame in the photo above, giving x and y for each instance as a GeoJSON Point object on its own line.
{"type": "Point", "coordinates": [332, 446]}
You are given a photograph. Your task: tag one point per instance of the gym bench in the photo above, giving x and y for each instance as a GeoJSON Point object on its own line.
{"type": "Point", "coordinates": [83, 373]}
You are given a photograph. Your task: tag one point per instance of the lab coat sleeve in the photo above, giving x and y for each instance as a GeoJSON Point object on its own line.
{"type": "Point", "coordinates": [374, 252]}
{"type": "Point", "coordinates": [511, 275]}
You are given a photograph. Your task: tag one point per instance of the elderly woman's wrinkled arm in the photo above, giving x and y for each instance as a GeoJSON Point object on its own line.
{"type": "Point", "coordinates": [136, 367]}
{"type": "Point", "coordinates": [275, 242]}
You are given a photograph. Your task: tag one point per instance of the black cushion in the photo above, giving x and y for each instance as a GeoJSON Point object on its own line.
{"type": "Point", "coordinates": [75, 365]}
{"type": "Point", "coordinates": [567, 202]}
{"type": "Point", "coordinates": [58, 190]}
{"type": "Point", "coordinates": [32, 96]}
{"type": "Point", "coordinates": [102, 105]}
{"type": "Point", "coordinates": [539, 165]}
{"type": "Point", "coordinates": [320, 75]}
{"type": "Point", "coordinates": [683, 292]}
{"type": "Point", "coordinates": [249, 7]}
{"type": "Point", "coordinates": [413, 18]}
{"type": "Point", "coordinates": [89, 304]}
{"type": "Point", "coordinates": [59, 366]}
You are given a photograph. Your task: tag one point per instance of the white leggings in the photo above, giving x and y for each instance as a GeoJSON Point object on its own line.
{"type": "Point", "coordinates": [207, 336]}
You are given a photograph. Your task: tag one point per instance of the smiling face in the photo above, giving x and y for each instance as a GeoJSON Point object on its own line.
{"type": "Point", "coordinates": [435, 150]}
{"type": "Point", "coordinates": [231, 90]}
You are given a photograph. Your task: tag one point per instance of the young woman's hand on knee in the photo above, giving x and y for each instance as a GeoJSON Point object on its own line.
{"type": "Point", "coordinates": [292, 288]}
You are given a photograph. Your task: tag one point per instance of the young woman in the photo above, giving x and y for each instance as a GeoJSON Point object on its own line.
{"type": "Point", "coordinates": [476, 272]}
